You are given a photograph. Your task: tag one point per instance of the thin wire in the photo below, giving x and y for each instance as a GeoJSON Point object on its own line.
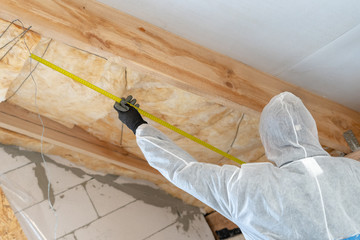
{"type": "Point", "coordinates": [122, 130]}
{"type": "Point", "coordinates": [122, 125]}
{"type": "Point", "coordinates": [9, 27]}
{"type": "Point", "coordinates": [18, 37]}
{"type": "Point", "coordinates": [22, 83]}
{"type": "Point", "coordinates": [237, 132]}
{"type": "Point", "coordinates": [83, 50]}
{"type": "Point", "coordinates": [236, 135]}
{"type": "Point", "coordinates": [42, 156]}
{"type": "Point", "coordinates": [2, 34]}
{"type": "Point", "coordinates": [42, 140]}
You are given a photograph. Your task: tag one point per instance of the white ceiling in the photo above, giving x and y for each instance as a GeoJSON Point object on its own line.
{"type": "Point", "coordinates": [313, 44]}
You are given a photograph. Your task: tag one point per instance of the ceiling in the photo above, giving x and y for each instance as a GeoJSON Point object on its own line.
{"type": "Point", "coordinates": [313, 44]}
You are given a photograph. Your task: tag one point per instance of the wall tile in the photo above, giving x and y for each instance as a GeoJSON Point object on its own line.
{"type": "Point", "coordinates": [106, 198]}
{"type": "Point", "coordinates": [23, 190]}
{"type": "Point", "coordinates": [68, 237]}
{"type": "Point", "coordinates": [73, 209]}
{"type": "Point", "coordinates": [198, 230]}
{"type": "Point", "coordinates": [63, 179]}
{"type": "Point", "coordinates": [135, 221]}
{"type": "Point", "coordinates": [9, 162]}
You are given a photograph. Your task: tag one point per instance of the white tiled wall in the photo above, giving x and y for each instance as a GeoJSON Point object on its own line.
{"type": "Point", "coordinates": [90, 205]}
{"type": "Point", "coordinates": [130, 224]}
{"type": "Point", "coordinates": [106, 198]}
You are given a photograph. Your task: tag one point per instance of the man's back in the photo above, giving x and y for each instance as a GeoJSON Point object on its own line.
{"type": "Point", "coordinates": [310, 198]}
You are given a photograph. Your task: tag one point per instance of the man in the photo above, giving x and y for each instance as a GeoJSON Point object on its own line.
{"type": "Point", "coordinates": [307, 195]}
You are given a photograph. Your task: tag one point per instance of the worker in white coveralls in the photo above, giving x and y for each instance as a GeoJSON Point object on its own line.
{"type": "Point", "coordinates": [307, 195]}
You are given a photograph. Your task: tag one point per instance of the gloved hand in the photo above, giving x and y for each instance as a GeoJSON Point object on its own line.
{"type": "Point", "coordinates": [128, 114]}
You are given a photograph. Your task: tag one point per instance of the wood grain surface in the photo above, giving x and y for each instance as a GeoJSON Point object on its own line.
{"type": "Point", "coordinates": [10, 228]}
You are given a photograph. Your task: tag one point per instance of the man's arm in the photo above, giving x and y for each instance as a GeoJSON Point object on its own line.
{"type": "Point", "coordinates": [209, 183]}
{"type": "Point", "coordinates": [214, 185]}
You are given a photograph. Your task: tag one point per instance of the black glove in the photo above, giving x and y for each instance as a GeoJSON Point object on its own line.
{"type": "Point", "coordinates": [128, 114]}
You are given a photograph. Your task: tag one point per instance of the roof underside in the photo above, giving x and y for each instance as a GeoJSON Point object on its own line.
{"type": "Point", "coordinates": [312, 44]}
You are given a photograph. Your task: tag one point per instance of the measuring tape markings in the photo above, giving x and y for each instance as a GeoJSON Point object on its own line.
{"type": "Point", "coordinates": [142, 112]}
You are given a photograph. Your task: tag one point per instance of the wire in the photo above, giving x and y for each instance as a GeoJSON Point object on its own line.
{"type": "Point", "coordinates": [2, 34]}
{"type": "Point", "coordinates": [235, 137]}
{"type": "Point", "coordinates": [122, 124]}
{"type": "Point", "coordinates": [18, 37]}
{"type": "Point", "coordinates": [22, 83]}
{"type": "Point", "coordinates": [121, 136]}
{"type": "Point", "coordinates": [9, 27]}
{"type": "Point", "coordinates": [39, 116]}
{"type": "Point", "coordinates": [42, 156]}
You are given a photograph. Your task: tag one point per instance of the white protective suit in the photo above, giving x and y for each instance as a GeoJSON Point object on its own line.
{"type": "Point", "coordinates": [307, 195]}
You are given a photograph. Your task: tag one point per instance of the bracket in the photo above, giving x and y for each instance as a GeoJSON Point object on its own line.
{"type": "Point", "coordinates": [351, 140]}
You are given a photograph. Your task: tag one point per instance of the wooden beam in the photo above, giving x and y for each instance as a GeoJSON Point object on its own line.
{"type": "Point", "coordinates": [354, 155]}
{"type": "Point", "coordinates": [19, 120]}
{"type": "Point", "coordinates": [95, 27]}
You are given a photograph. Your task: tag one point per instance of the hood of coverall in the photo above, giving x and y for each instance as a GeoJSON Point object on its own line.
{"type": "Point", "coordinates": [288, 131]}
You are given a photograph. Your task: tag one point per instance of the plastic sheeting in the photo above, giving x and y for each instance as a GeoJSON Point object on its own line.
{"type": "Point", "coordinates": [89, 204]}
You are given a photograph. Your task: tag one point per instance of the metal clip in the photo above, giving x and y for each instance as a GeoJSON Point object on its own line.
{"type": "Point", "coordinates": [351, 140]}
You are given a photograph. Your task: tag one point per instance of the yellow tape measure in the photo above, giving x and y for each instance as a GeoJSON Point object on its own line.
{"type": "Point", "coordinates": [142, 112]}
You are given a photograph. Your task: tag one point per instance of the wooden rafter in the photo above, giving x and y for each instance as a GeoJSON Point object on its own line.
{"type": "Point", "coordinates": [354, 155]}
{"type": "Point", "coordinates": [19, 120]}
{"type": "Point", "coordinates": [98, 28]}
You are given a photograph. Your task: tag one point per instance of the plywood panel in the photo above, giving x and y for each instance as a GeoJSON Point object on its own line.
{"type": "Point", "coordinates": [10, 228]}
